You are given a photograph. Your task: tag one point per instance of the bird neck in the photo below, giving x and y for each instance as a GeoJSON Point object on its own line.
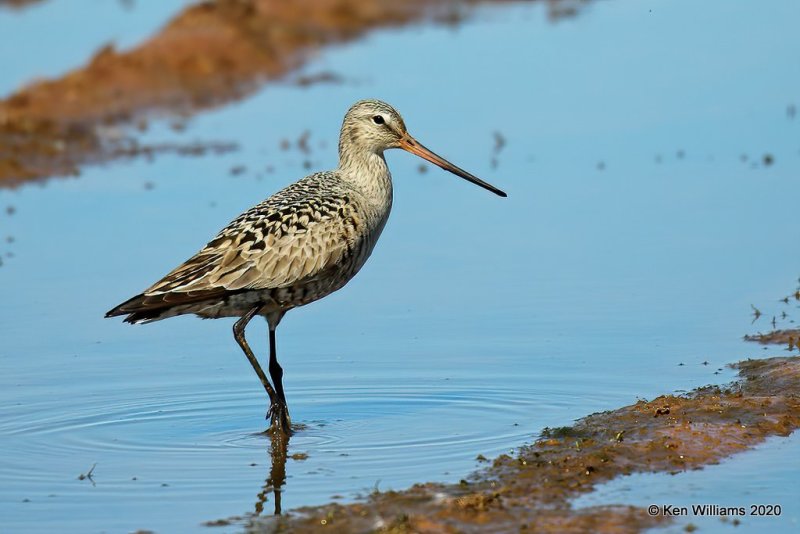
{"type": "Point", "coordinates": [367, 171]}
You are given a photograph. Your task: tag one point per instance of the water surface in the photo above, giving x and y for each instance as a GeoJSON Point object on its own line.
{"type": "Point", "coordinates": [641, 224]}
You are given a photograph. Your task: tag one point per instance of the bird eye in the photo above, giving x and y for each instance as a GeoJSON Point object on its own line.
{"type": "Point", "coordinates": [378, 119]}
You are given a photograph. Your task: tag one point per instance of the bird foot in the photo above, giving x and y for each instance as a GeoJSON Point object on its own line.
{"type": "Point", "coordinates": [278, 414]}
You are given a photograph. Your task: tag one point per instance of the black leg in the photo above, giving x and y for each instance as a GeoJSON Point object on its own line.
{"type": "Point", "coordinates": [275, 369]}
{"type": "Point", "coordinates": [238, 333]}
{"type": "Point", "coordinates": [279, 411]}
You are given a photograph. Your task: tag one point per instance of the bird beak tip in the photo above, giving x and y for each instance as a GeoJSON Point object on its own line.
{"type": "Point", "coordinates": [409, 144]}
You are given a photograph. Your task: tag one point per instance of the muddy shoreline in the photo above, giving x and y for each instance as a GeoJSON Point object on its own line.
{"type": "Point", "coordinates": [18, 4]}
{"type": "Point", "coordinates": [789, 337]}
{"type": "Point", "coordinates": [532, 489]}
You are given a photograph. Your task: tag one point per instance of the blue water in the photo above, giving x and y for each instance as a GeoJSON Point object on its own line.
{"type": "Point", "coordinates": [761, 477]}
{"type": "Point", "coordinates": [47, 39]}
{"type": "Point", "coordinates": [634, 239]}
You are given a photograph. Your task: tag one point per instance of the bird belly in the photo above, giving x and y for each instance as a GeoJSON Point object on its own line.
{"type": "Point", "coordinates": [335, 277]}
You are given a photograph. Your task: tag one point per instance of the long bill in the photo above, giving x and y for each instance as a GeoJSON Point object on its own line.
{"type": "Point", "coordinates": [409, 144]}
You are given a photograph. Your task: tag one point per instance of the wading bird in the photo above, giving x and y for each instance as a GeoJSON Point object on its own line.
{"type": "Point", "coordinates": [301, 244]}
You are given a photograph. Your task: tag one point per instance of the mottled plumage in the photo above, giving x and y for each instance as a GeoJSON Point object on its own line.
{"type": "Point", "coordinates": [301, 244]}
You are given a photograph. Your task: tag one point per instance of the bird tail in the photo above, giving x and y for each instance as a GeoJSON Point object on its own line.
{"type": "Point", "coordinates": [137, 310]}
{"type": "Point", "coordinates": [144, 308]}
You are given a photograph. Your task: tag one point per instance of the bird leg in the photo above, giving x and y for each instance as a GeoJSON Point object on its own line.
{"type": "Point", "coordinates": [278, 411]}
{"type": "Point", "coordinates": [238, 333]}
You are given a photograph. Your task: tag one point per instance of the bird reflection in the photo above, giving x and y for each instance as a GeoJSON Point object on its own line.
{"type": "Point", "coordinates": [279, 443]}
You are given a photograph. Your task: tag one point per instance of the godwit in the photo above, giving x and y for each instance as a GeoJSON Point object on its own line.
{"type": "Point", "coordinates": [301, 244]}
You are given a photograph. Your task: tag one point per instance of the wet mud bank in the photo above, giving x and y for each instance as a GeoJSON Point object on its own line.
{"type": "Point", "coordinates": [533, 489]}
{"type": "Point", "coordinates": [783, 331]}
{"type": "Point", "coordinates": [790, 337]}
{"type": "Point", "coordinates": [209, 54]}
{"type": "Point", "coordinates": [18, 4]}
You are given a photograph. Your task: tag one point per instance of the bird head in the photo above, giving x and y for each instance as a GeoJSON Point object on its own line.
{"type": "Point", "coordinates": [372, 126]}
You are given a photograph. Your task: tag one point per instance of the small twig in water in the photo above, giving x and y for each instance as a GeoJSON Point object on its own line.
{"type": "Point", "coordinates": [88, 474]}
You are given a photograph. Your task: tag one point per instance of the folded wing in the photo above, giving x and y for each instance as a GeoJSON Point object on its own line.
{"type": "Point", "coordinates": [278, 243]}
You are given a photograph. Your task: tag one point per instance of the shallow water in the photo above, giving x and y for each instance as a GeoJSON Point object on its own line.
{"type": "Point", "coordinates": [634, 239]}
{"type": "Point", "coordinates": [761, 477]}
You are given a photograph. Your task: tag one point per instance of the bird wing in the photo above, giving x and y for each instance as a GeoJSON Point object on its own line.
{"type": "Point", "coordinates": [294, 236]}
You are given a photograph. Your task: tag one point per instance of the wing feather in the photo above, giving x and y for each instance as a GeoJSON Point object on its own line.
{"type": "Point", "coordinates": [292, 237]}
